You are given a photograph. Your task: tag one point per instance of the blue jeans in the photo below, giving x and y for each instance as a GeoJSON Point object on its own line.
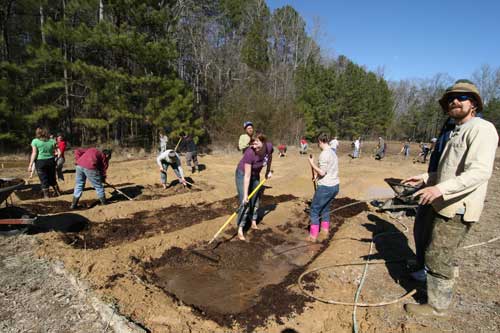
{"type": "Point", "coordinates": [252, 208]}
{"type": "Point", "coordinates": [163, 175]}
{"type": "Point", "coordinates": [355, 153]}
{"type": "Point", "coordinates": [94, 177]}
{"type": "Point", "coordinates": [320, 206]}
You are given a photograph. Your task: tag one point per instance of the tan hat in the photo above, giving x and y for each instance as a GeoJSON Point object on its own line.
{"type": "Point", "coordinates": [462, 86]}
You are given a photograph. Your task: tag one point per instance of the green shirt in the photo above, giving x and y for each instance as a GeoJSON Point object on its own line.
{"type": "Point", "coordinates": [45, 149]}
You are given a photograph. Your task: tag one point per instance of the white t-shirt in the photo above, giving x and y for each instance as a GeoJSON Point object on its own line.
{"type": "Point", "coordinates": [356, 144]}
{"type": "Point", "coordinates": [164, 157]}
{"type": "Point", "coordinates": [328, 163]}
{"type": "Point", "coordinates": [334, 144]}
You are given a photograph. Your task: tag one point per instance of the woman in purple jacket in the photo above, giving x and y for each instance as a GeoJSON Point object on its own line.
{"type": "Point", "coordinates": [248, 177]}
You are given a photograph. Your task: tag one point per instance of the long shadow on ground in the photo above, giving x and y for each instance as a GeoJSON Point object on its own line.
{"type": "Point", "coordinates": [394, 249]}
{"type": "Point", "coordinates": [66, 222]}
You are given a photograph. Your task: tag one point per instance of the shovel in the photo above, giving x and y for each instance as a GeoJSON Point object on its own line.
{"type": "Point", "coordinates": [121, 192]}
{"type": "Point", "coordinates": [177, 145]}
{"type": "Point", "coordinates": [312, 173]}
{"type": "Point", "coordinates": [193, 185]}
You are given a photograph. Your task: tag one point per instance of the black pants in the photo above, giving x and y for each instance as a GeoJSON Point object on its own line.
{"type": "Point", "coordinates": [422, 232]}
{"type": "Point", "coordinates": [46, 170]}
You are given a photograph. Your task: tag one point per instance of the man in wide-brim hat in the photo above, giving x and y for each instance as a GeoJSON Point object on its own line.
{"type": "Point", "coordinates": [456, 191]}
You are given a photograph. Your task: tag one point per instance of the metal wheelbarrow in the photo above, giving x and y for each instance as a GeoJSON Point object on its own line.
{"type": "Point", "coordinates": [404, 196]}
{"type": "Point", "coordinates": [7, 187]}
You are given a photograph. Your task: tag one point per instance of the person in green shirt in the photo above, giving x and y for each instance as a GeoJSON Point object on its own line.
{"type": "Point", "coordinates": [42, 158]}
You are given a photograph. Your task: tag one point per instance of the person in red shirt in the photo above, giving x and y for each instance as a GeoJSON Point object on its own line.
{"type": "Point", "coordinates": [282, 150]}
{"type": "Point", "coordinates": [303, 146]}
{"type": "Point", "coordinates": [61, 148]}
{"type": "Point", "coordinates": [92, 164]}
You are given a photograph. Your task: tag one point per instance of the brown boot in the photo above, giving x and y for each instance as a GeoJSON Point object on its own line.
{"type": "Point", "coordinates": [74, 204]}
{"type": "Point", "coordinates": [424, 310]}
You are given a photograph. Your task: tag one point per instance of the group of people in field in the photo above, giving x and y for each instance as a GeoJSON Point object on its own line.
{"type": "Point", "coordinates": [258, 154]}
{"type": "Point", "coordinates": [47, 158]}
{"type": "Point", "coordinates": [451, 194]}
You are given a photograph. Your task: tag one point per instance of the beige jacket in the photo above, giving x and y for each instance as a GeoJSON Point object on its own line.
{"type": "Point", "coordinates": [464, 169]}
{"type": "Point", "coordinates": [244, 142]}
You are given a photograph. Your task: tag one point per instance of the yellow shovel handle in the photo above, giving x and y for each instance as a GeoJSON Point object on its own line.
{"type": "Point", "coordinates": [236, 212]}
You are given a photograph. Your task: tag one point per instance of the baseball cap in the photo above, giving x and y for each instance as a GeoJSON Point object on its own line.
{"type": "Point", "coordinates": [247, 123]}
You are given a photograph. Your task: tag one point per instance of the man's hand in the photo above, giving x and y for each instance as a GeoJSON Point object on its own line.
{"type": "Point", "coordinates": [428, 195]}
{"type": "Point", "coordinates": [269, 175]}
{"type": "Point", "coordinates": [245, 200]}
{"type": "Point", "coordinates": [183, 182]}
{"type": "Point", "coordinates": [161, 170]}
{"type": "Point", "coordinates": [414, 181]}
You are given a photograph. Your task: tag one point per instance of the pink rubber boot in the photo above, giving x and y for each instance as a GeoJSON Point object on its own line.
{"type": "Point", "coordinates": [313, 232]}
{"type": "Point", "coordinates": [325, 226]}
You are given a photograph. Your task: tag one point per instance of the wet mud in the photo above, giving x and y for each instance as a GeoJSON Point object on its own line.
{"type": "Point", "coordinates": [245, 283]}
{"type": "Point", "coordinates": [146, 224]}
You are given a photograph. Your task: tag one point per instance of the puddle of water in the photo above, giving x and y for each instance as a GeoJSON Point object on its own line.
{"type": "Point", "coordinates": [232, 284]}
{"type": "Point", "coordinates": [222, 290]}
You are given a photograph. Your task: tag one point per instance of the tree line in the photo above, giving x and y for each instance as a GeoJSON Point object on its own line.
{"type": "Point", "coordinates": [119, 71]}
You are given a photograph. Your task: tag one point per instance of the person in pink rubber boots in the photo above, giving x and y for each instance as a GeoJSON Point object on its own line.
{"type": "Point", "coordinates": [327, 175]}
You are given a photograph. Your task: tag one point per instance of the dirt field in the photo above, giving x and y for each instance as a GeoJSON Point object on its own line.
{"type": "Point", "coordinates": [149, 259]}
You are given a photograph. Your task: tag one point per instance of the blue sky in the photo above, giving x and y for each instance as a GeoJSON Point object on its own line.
{"type": "Point", "coordinates": [409, 39]}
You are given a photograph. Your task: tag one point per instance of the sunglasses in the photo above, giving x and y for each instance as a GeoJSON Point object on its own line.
{"type": "Point", "coordinates": [460, 98]}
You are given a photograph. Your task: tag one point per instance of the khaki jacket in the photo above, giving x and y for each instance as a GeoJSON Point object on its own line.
{"type": "Point", "coordinates": [243, 142]}
{"type": "Point", "coordinates": [464, 169]}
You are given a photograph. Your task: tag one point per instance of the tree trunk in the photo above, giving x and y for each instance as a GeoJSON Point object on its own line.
{"type": "Point", "coordinates": [42, 33]}
{"type": "Point", "coordinates": [101, 11]}
{"type": "Point", "coordinates": [65, 71]}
